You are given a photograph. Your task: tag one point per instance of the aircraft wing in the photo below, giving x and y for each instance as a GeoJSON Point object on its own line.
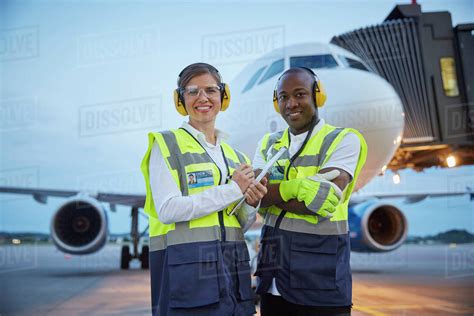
{"type": "Point", "coordinates": [41, 195]}
{"type": "Point", "coordinates": [410, 197]}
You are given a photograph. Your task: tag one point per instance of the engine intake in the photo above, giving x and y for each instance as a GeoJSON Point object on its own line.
{"type": "Point", "coordinates": [377, 227]}
{"type": "Point", "coordinates": [79, 226]}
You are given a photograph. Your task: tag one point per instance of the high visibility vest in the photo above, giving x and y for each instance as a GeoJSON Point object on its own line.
{"type": "Point", "coordinates": [184, 155]}
{"type": "Point", "coordinates": [317, 151]}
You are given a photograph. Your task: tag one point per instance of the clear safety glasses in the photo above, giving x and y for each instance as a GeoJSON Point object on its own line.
{"type": "Point", "coordinates": [211, 91]}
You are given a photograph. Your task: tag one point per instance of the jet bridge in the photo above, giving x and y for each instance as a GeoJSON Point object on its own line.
{"type": "Point", "coordinates": [427, 61]}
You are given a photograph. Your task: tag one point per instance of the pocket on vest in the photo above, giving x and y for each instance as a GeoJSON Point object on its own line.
{"type": "Point", "coordinates": [193, 274]}
{"type": "Point", "coordinates": [243, 271]}
{"type": "Point", "coordinates": [313, 261]}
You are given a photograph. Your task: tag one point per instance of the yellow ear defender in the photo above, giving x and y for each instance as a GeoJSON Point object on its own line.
{"type": "Point", "coordinates": [319, 93]}
{"type": "Point", "coordinates": [178, 96]}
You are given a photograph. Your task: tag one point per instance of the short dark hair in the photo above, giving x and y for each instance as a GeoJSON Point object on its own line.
{"type": "Point", "coordinates": [298, 70]}
{"type": "Point", "coordinates": [195, 70]}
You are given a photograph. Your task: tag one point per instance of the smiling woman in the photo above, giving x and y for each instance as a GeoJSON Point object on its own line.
{"type": "Point", "coordinates": [199, 261]}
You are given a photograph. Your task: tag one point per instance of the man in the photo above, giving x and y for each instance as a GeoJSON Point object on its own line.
{"type": "Point", "coordinates": [303, 266]}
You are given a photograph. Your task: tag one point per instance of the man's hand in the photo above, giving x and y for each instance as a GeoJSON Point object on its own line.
{"type": "Point", "coordinates": [318, 194]}
{"type": "Point", "coordinates": [243, 176]}
{"type": "Point", "coordinates": [255, 192]}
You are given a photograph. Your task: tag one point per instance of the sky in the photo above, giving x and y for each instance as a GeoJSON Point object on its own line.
{"type": "Point", "coordinates": [82, 82]}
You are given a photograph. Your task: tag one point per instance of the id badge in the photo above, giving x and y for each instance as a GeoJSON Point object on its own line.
{"type": "Point", "coordinates": [199, 179]}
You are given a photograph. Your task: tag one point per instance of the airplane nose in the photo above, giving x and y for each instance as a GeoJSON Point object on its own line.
{"type": "Point", "coordinates": [372, 106]}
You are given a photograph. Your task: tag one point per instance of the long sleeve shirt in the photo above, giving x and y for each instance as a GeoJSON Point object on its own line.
{"type": "Point", "coordinates": [171, 206]}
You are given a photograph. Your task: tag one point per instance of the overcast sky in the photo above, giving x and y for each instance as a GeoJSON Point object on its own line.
{"type": "Point", "coordinates": [66, 66]}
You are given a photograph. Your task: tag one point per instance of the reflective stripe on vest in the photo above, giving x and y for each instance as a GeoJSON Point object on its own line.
{"type": "Point", "coordinates": [182, 154]}
{"type": "Point", "coordinates": [183, 235]}
{"type": "Point", "coordinates": [314, 160]}
{"type": "Point", "coordinates": [323, 226]}
{"type": "Point", "coordinates": [320, 197]}
{"type": "Point", "coordinates": [315, 154]}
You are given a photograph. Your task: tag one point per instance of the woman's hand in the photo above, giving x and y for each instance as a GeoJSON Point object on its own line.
{"type": "Point", "coordinates": [255, 192]}
{"type": "Point", "coordinates": [258, 171]}
{"type": "Point", "coordinates": [243, 176]}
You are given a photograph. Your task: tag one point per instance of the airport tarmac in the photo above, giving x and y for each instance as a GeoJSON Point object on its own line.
{"type": "Point", "coordinates": [414, 280]}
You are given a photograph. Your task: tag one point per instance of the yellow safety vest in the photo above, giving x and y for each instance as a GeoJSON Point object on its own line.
{"type": "Point", "coordinates": [315, 154]}
{"type": "Point", "coordinates": [184, 155]}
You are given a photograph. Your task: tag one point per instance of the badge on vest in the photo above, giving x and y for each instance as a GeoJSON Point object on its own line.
{"type": "Point", "coordinates": [200, 179]}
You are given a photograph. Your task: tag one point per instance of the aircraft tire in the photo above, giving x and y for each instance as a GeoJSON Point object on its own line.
{"type": "Point", "coordinates": [125, 258]}
{"type": "Point", "coordinates": [144, 257]}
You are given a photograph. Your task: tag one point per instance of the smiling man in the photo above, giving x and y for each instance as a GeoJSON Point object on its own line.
{"type": "Point", "coordinates": [303, 266]}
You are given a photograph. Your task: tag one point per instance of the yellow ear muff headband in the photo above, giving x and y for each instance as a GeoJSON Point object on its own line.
{"type": "Point", "coordinates": [319, 93]}
{"type": "Point", "coordinates": [178, 96]}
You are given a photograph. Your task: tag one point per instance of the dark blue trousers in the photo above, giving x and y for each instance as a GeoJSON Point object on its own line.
{"type": "Point", "coordinates": [201, 278]}
{"type": "Point", "coordinates": [309, 269]}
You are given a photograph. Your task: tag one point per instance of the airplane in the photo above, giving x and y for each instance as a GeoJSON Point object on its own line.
{"type": "Point", "coordinates": [357, 98]}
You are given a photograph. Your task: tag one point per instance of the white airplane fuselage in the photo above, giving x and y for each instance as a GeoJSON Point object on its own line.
{"type": "Point", "coordinates": [356, 98]}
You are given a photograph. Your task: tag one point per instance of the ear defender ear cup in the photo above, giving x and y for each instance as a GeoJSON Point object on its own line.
{"type": "Point", "coordinates": [225, 97]}
{"type": "Point", "coordinates": [319, 94]}
{"type": "Point", "coordinates": [275, 101]}
{"type": "Point", "coordinates": [179, 105]}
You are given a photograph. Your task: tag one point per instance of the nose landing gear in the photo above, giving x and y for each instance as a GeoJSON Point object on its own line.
{"type": "Point", "coordinates": [126, 256]}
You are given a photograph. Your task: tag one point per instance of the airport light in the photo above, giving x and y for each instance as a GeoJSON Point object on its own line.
{"type": "Point", "coordinates": [396, 178]}
{"type": "Point", "coordinates": [397, 140]}
{"type": "Point", "coordinates": [451, 161]}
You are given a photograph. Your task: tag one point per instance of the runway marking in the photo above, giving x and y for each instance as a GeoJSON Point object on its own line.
{"type": "Point", "coordinates": [461, 310]}
{"type": "Point", "coordinates": [374, 309]}
{"type": "Point", "coordinates": [369, 310]}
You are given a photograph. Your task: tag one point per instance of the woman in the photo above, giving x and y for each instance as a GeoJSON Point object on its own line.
{"type": "Point", "coordinates": [199, 262]}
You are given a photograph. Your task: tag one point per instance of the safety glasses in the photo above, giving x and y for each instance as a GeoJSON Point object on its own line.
{"type": "Point", "coordinates": [211, 91]}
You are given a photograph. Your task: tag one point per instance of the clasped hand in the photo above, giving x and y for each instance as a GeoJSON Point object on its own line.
{"type": "Point", "coordinates": [253, 190]}
{"type": "Point", "coordinates": [307, 190]}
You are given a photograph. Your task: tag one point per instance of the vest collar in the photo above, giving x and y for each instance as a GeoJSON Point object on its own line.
{"type": "Point", "coordinates": [316, 129]}
{"type": "Point", "coordinates": [220, 135]}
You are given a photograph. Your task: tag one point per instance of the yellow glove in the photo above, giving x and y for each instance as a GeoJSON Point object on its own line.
{"type": "Point", "coordinates": [318, 194]}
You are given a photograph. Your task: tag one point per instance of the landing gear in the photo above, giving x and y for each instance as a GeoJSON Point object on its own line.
{"type": "Point", "coordinates": [126, 256]}
{"type": "Point", "coordinates": [144, 257]}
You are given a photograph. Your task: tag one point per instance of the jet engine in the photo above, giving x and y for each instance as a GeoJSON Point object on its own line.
{"type": "Point", "coordinates": [79, 226]}
{"type": "Point", "coordinates": [376, 227]}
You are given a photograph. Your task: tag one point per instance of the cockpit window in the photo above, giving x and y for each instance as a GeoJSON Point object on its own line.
{"type": "Point", "coordinates": [274, 69]}
{"type": "Point", "coordinates": [312, 62]}
{"type": "Point", "coordinates": [356, 64]}
{"type": "Point", "coordinates": [352, 63]}
{"type": "Point", "coordinates": [254, 79]}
